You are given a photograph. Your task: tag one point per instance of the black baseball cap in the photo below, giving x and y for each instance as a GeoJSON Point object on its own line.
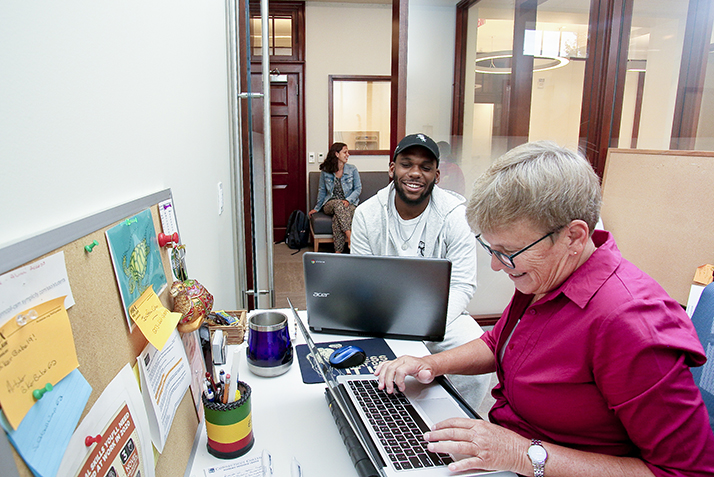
{"type": "Point", "coordinates": [418, 140]}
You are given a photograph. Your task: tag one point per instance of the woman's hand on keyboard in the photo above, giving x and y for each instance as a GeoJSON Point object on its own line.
{"type": "Point", "coordinates": [489, 447]}
{"type": "Point", "coordinates": [394, 372]}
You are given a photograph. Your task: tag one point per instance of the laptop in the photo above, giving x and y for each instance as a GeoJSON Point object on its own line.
{"type": "Point", "coordinates": [390, 449]}
{"type": "Point", "coordinates": [384, 297]}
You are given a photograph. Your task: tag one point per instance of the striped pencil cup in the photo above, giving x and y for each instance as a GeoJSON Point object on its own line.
{"type": "Point", "coordinates": [229, 426]}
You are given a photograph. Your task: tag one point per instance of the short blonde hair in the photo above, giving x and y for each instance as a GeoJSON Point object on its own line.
{"type": "Point", "coordinates": [544, 183]}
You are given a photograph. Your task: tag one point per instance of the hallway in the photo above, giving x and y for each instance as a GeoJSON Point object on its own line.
{"type": "Point", "coordinates": [288, 276]}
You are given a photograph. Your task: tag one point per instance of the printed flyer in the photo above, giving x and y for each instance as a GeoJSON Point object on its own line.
{"type": "Point", "coordinates": [114, 439]}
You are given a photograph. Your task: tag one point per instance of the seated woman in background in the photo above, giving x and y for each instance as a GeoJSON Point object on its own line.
{"type": "Point", "coordinates": [338, 193]}
{"type": "Point", "coordinates": [592, 355]}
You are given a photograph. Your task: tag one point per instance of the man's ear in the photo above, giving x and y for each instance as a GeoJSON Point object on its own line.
{"type": "Point", "coordinates": [391, 170]}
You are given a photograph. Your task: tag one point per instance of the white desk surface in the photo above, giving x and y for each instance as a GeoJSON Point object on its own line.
{"type": "Point", "coordinates": [291, 419]}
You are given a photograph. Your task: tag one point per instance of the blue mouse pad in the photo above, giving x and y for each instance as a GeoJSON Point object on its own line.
{"type": "Point", "coordinates": [377, 350]}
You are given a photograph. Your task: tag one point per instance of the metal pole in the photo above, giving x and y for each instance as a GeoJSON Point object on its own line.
{"type": "Point", "coordinates": [238, 217]}
{"type": "Point", "coordinates": [268, 156]}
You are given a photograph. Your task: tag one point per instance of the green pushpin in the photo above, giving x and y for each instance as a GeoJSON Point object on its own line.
{"type": "Point", "coordinates": [38, 393]}
{"type": "Point", "coordinates": [91, 246]}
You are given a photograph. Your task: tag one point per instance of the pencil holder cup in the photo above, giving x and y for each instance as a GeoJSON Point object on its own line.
{"type": "Point", "coordinates": [269, 352]}
{"type": "Point", "coordinates": [229, 426]}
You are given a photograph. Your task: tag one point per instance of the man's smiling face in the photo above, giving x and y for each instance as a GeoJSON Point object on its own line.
{"type": "Point", "coordinates": [415, 172]}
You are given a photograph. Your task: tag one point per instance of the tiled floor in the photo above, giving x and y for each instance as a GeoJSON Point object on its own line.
{"type": "Point", "coordinates": [289, 283]}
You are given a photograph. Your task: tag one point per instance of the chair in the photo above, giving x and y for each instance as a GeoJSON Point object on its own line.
{"type": "Point", "coordinates": [703, 319]}
{"type": "Point", "coordinates": [321, 223]}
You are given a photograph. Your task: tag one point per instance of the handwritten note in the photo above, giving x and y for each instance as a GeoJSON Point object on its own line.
{"type": "Point", "coordinates": [42, 437]}
{"type": "Point", "coordinates": [33, 284]}
{"type": "Point", "coordinates": [153, 319]}
{"type": "Point", "coordinates": [32, 354]}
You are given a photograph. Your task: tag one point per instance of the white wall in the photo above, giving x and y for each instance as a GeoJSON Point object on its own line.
{"type": "Point", "coordinates": [105, 102]}
{"type": "Point", "coordinates": [342, 39]}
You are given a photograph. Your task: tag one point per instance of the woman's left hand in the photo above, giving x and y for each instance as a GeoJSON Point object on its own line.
{"type": "Point", "coordinates": [346, 202]}
{"type": "Point", "coordinates": [489, 447]}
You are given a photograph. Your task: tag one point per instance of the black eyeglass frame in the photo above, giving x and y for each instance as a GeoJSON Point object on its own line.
{"type": "Point", "coordinates": [505, 259]}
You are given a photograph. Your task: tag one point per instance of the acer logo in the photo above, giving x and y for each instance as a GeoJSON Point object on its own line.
{"type": "Point", "coordinates": [320, 295]}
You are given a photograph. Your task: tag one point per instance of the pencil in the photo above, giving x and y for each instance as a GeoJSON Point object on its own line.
{"type": "Point", "coordinates": [225, 389]}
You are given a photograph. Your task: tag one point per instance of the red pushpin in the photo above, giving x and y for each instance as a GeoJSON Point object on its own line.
{"type": "Point", "coordinates": [167, 239]}
{"type": "Point", "coordinates": [89, 440]}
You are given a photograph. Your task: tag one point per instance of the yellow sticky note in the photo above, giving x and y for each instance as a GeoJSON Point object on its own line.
{"type": "Point", "coordinates": [36, 349]}
{"type": "Point", "coordinates": [153, 319]}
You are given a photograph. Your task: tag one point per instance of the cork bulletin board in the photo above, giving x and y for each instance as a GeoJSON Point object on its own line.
{"type": "Point", "coordinates": [659, 206]}
{"type": "Point", "coordinates": [102, 338]}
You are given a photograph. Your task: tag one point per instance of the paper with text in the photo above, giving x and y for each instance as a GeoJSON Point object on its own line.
{"type": "Point", "coordinates": [32, 354]}
{"type": "Point", "coordinates": [119, 417]}
{"type": "Point", "coordinates": [153, 319]}
{"type": "Point", "coordinates": [33, 284]}
{"type": "Point", "coordinates": [248, 467]}
{"type": "Point", "coordinates": [42, 437]}
{"type": "Point", "coordinates": [165, 377]}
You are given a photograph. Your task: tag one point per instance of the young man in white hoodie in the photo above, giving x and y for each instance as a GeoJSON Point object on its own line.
{"type": "Point", "coordinates": [411, 217]}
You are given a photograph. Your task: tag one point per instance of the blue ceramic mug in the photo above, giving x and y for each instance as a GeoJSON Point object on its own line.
{"type": "Point", "coordinates": [270, 352]}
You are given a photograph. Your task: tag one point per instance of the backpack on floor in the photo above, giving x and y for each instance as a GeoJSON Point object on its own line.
{"type": "Point", "coordinates": [297, 230]}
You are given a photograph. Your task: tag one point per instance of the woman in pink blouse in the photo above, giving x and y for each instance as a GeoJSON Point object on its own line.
{"type": "Point", "coordinates": [592, 355]}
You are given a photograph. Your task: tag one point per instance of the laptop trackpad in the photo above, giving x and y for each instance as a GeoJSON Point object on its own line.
{"type": "Point", "coordinates": [440, 409]}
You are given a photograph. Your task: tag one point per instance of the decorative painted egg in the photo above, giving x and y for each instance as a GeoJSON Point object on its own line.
{"type": "Point", "coordinates": [193, 301]}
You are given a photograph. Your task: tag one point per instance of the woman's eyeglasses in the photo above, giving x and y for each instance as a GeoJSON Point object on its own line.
{"type": "Point", "coordinates": [505, 259]}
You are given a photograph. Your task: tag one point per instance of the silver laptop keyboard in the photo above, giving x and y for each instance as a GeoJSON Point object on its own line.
{"type": "Point", "coordinates": [398, 426]}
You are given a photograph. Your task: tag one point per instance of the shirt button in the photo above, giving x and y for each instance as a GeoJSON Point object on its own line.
{"type": "Point", "coordinates": [532, 311]}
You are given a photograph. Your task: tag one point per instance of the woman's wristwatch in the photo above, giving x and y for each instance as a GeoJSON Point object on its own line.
{"type": "Point", "coordinates": [538, 456]}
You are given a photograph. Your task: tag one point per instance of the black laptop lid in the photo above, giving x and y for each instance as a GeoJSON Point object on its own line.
{"type": "Point", "coordinates": [365, 295]}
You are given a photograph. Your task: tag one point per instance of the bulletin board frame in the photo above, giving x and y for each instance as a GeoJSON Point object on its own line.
{"type": "Point", "coordinates": [103, 341]}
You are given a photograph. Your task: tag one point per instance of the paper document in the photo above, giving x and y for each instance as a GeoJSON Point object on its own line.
{"type": "Point", "coordinates": [165, 377]}
{"type": "Point", "coordinates": [43, 436]}
{"type": "Point", "coordinates": [153, 319]}
{"type": "Point", "coordinates": [33, 284]}
{"type": "Point", "coordinates": [119, 419]}
{"type": "Point", "coordinates": [194, 353]}
{"type": "Point", "coordinates": [247, 467]}
{"type": "Point", "coordinates": [36, 348]}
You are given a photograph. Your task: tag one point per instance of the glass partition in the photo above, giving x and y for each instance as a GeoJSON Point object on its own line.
{"type": "Point", "coordinates": [653, 66]}
{"type": "Point", "coordinates": [705, 131]}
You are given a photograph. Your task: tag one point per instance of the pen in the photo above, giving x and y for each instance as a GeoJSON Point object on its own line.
{"type": "Point", "coordinates": [209, 395]}
{"type": "Point", "coordinates": [267, 464]}
{"type": "Point", "coordinates": [209, 376]}
{"type": "Point", "coordinates": [222, 376]}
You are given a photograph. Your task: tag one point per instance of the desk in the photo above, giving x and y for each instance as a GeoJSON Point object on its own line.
{"type": "Point", "coordinates": [291, 419]}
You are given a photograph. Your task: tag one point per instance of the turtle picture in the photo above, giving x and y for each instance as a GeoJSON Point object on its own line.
{"type": "Point", "coordinates": [136, 270]}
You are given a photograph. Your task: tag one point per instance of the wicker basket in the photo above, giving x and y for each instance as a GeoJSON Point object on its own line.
{"type": "Point", "coordinates": [235, 333]}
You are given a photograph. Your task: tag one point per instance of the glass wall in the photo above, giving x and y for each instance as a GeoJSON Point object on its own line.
{"type": "Point", "coordinates": [653, 64]}
{"type": "Point", "coordinates": [576, 88]}
{"type": "Point", "coordinates": [705, 131]}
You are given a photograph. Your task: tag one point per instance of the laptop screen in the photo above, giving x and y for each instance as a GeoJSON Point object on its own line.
{"type": "Point", "coordinates": [365, 295]}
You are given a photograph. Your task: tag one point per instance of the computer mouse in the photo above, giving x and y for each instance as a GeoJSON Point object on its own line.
{"type": "Point", "coordinates": [347, 357]}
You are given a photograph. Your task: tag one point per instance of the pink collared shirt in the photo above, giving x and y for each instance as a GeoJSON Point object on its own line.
{"type": "Point", "coordinates": [601, 364]}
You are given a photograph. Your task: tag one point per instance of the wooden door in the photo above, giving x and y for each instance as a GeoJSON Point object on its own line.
{"type": "Point", "coordinates": [288, 162]}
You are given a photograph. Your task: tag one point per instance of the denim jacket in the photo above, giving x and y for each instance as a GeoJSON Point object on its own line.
{"type": "Point", "coordinates": [351, 185]}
